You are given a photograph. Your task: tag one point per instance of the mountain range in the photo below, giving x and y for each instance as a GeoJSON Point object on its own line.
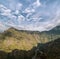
{"type": "Point", "coordinates": [25, 40]}
{"type": "Point", "coordinates": [21, 44]}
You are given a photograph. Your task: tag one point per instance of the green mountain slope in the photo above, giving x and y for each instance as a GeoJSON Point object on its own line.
{"type": "Point", "coordinates": [50, 50]}
{"type": "Point", "coordinates": [25, 40]}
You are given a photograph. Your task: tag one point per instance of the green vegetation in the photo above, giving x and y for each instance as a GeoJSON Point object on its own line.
{"type": "Point", "coordinates": [15, 44]}
{"type": "Point", "coordinates": [25, 40]}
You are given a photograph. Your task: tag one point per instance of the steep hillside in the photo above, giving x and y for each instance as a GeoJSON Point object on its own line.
{"type": "Point", "coordinates": [25, 40]}
{"type": "Point", "coordinates": [50, 49]}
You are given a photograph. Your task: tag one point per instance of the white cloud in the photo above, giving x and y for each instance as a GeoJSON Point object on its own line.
{"type": "Point", "coordinates": [28, 10]}
{"type": "Point", "coordinates": [31, 8]}
{"type": "Point", "coordinates": [3, 27]}
{"type": "Point", "coordinates": [36, 4]}
{"type": "Point", "coordinates": [19, 6]}
{"type": "Point", "coordinates": [21, 18]}
{"type": "Point", "coordinates": [4, 10]}
{"type": "Point", "coordinates": [31, 21]}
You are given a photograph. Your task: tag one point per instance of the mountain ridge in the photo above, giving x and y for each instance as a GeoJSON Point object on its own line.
{"type": "Point", "coordinates": [25, 40]}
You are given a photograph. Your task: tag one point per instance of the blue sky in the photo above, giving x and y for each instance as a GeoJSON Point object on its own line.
{"type": "Point", "coordinates": [34, 15]}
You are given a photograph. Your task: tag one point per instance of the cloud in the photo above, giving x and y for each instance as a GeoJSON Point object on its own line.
{"type": "Point", "coordinates": [38, 16]}
{"type": "Point", "coordinates": [3, 27]}
{"type": "Point", "coordinates": [31, 8]}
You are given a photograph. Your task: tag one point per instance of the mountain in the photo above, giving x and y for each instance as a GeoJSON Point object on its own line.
{"type": "Point", "coordinates": [15, 39]}
{"type": "Point", "coordinates": [21, 44]}
{"type": "Point", "coordinates": [25, 40]}
{"type": "Point", "coordinates": [55, 30]}
{"type": "Point", "coordinates": [49, 50]}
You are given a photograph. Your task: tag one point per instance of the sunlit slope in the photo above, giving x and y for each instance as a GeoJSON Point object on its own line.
{"type": "Point", "coordinates": [24, 40]}
{"type": "Point", "coordinates": [14, 39]}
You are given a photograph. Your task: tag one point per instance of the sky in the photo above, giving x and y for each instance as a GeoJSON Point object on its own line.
{"type": "Point", "coordinates": [33, 15]}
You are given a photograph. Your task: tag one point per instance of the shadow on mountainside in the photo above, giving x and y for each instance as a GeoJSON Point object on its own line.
{"type": "Point", "coordinates": [50, 50]}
